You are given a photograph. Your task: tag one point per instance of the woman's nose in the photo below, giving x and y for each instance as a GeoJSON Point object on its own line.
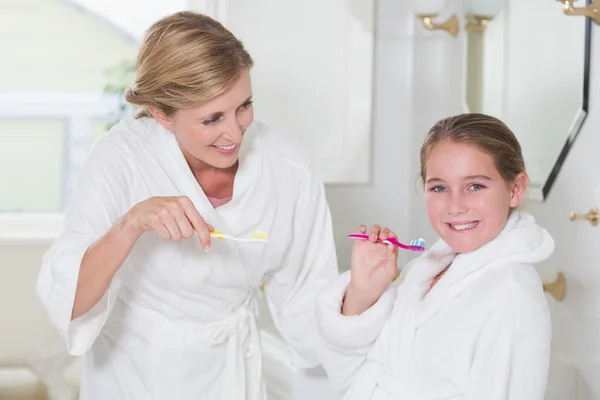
{"type": "Point", "coordinates": [233, 130]}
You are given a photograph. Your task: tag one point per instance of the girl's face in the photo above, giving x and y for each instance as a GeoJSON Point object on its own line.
{"type": "Point", "coordinates": [467, 200]}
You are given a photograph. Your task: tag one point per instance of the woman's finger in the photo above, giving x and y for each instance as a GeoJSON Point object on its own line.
{"type": "Point", "coordinates": [362, 229]}
{"type": "Point", "coordinates": [183, 224]}
{"type": "Point", "coordinates": [200, 226]}
{"type": "Point", "coordinates": [185, 227]}
{"type": "Point", "coordinates": [173, 229]}
{"type": "Point", "coordinates": [165, 218]}
{"type": "Point", "coordinates": [162, 232]}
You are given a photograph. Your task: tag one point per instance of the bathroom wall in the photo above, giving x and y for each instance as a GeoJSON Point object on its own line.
{"type": "Point", "coordinates": [576, 319]}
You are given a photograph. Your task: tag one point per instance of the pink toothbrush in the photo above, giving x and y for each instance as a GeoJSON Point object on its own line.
{"type": "Point", "coordinates": [415, 245]}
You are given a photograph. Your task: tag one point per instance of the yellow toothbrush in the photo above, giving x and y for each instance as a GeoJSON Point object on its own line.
{"type": "Point", "coordinates": [255, 237]}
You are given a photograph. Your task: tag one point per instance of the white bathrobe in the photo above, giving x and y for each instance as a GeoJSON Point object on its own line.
{"type": "Point", "coordinates": [482, 333]}
{"type": "Point", "coordinates": [178, 322]}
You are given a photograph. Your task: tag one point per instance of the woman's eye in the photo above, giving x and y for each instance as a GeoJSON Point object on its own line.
{"type": "Point", "coordinates": [210, 121]}
{"type": "Point", "coordinates": [438, 189]}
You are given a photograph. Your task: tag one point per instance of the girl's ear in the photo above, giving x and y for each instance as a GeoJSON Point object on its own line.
{"type": "Point", "coordinates": [518, 189]}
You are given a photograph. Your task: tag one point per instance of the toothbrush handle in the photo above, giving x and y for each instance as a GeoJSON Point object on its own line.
{"type": "Point", "coordinates": [388, 240]}
{"type": "Point", "coordinates": [248, 240]}
{"type": "Point", "coordinates": [237, 239]}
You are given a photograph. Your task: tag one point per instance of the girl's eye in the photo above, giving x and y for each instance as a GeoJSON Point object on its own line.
{"type": "Point", "coordinates": [476, 186]}
{"type": "Point", "coordinates": [438, 189]}
{"type": "Point", "coordinates": [245, 106]}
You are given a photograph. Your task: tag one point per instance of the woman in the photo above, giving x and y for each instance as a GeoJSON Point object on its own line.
{"type": "Point", "coordinates": [157, 311]}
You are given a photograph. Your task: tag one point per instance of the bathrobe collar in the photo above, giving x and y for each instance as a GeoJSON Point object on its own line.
{"type": "Point", "coordinates": [520, 241]}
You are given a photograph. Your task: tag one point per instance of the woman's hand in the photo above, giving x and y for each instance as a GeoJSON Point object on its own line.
{"type": "Point", "coordinates": [374, 265]}
{"type": "Point", "coordinates": [172, 218]}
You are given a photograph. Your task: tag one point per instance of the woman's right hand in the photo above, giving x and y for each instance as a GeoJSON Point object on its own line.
{"type": "Point", "coordinates": [172, 218]}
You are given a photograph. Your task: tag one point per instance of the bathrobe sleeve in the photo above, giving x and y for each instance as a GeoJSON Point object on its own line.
{"type": "Point", "coordinates": [309, 264]}
{"type": "Point", "coordinates": [90, 214]}
{"type": "Point", "coordinates": [512, 354]}
{"type": "Point", "coordinates": [346, 341]}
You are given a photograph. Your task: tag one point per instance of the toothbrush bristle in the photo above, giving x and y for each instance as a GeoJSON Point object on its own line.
{"type": "Point", "coordinates": [417, 243]}
{"type": "Point", "coordinates": [259, 235]}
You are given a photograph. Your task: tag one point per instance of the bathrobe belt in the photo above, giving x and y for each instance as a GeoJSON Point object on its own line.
{"type": "Point", "coordinates": [242, 376]}
{"type": "Point", "coordinates": [374, 376]}
{"type": "Point", "coordinates": [395, 389]}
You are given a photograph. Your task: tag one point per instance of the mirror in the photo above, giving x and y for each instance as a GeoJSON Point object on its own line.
{"type": "Point", "coordinates": [529, 66]}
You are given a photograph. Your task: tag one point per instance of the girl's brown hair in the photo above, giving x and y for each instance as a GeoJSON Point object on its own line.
{"type": "Point", "coordinates": [487, 133]}
{"type": "Point", "coordinates": [184, 60]}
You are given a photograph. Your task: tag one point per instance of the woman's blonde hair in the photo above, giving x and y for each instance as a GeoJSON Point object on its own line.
{"type": "Point", "coordinates": [487, 133]}
{"type": "Point", "coordinates": [185, 59]}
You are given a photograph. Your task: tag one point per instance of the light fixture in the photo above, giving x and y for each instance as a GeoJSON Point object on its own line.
{"type": "Point", "coordinates": [481, 12]}
{"type": "Point", "coordinates": [477, 23]}
{"type": "Point", "coordinates": [592, 11]}
{"type": "Point", "coordinates": [450, 26]}
{"type": "Point", "coordinates": [428, 10]}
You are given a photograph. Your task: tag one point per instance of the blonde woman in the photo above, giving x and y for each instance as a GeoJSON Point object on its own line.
{"type": "Point", "coordinates": [135, 283]}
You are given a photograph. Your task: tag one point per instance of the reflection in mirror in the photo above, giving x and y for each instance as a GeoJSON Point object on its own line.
{"type": "Point", "coordinates": [529, 67]}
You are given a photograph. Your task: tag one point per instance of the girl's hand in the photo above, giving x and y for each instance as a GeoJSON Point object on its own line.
{"type": "Point", "coordinates": [374, 265]}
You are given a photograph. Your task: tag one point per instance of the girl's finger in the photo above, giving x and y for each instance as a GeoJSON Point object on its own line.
{"type": "Point", "coordinates": [385, 233]}
{"type": "Point", "coordinates": [375, 229]}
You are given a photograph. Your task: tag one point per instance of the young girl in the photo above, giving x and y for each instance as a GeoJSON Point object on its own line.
{"type": "Point", "coordinates": [466, 320]}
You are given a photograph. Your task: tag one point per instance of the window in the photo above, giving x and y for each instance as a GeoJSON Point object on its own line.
{"type": "Point", "coordinates": [53, 104]}
{"type": "Point", "coordinates": [64, 57]}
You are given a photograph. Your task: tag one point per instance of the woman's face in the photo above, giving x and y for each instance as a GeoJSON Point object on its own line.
{"type": "Point", "coordinates": [211, 134]}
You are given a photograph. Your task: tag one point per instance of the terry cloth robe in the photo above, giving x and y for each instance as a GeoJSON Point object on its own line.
{"type": "Point", "coordinates": [482, 333]}
{"type": "Point", "coordinates": [178, 322]}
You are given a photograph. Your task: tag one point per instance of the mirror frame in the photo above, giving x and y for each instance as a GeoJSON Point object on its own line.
{"type": "Point", "coordinates": [578, 121]}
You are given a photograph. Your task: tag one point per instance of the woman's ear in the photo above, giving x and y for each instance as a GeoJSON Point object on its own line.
{"type": "Point", "coordinates": [161, 118]}
{"type": "Point", "coordinates": [518, 189]}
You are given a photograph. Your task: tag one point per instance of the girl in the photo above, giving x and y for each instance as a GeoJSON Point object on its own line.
{"type": "Point", "coordinates": [466, 320]}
